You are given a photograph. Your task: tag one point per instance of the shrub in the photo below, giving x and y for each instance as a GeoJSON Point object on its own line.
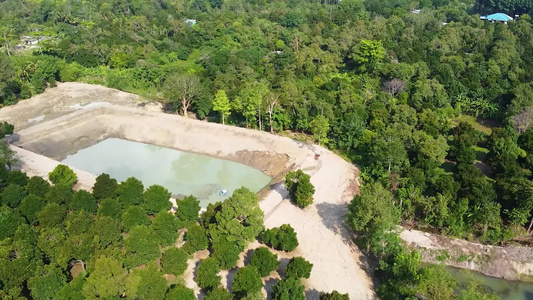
{"type": "Point", "coordinates": [174, 261]}
{"type": "Point", "coordinates": [12, 195]}
{"type": "Point", "coordinates": [196, 238]}
{"type": "Point", "coordinates": [334, 296]}
{"type": "Point", "coordinates": [300, 188]}
{"type": "Point", "coordinates": [37, 186]}
{"type": "Point", "coordinates": [30, 206]}
{"type": "Point", "coordinates": [84, 200]}
{"type": "Point", "coordinates": [134, 216]}
{"type": "Point", "coordinates": [282, 238]}
{"type": "Point", "coordinates": [187, 212]}
{"type": "Point", "coordinates": [227, 253]}
{"type": "Point", "coordinates": [288, 288]}
{"type": "Point", "coordinates": [60, 194]}
{"type": "Point", "coordinates": [62, 174]}
{"type": "Point", "coordinates": [156, 198]}
{"type": "Point", "coordinates": [298, 268]}
{"type": "Point", "coordinates": [179, 292]}
{"type": "Point", "coordinates": [219, 293]}
{"type": "Point", "coordinates": [17, 177]}
{"type": "Point", "coordinates": [164, 226]}
{"type": "Point", "coordinates": [207, 274]}
{"type": "Point", "coordinates": [264, 260]}
{"type": "Point", "coordinates": [105, 187]}
{"type": "Point", "coordinates": [130, 192]}
{"type": "Point", "coordinates": [110, 208]}
{"type": "Point", "coordinates": [247, 281]}
{"type": "Point", "coordinates": [52, 215]}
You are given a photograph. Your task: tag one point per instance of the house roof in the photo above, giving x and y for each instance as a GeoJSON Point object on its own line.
{"type": "Point", "coordinates": [499, 17]}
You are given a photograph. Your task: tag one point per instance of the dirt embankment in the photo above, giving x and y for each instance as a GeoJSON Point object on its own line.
{"type": "Point", "coordinates": [511, 263]}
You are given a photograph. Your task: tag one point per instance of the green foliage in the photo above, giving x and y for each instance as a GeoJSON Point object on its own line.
{"type": "Point", "coordinates": [146, 284]}
{"type": "Point", "coordinates": [334, 296]}
{"type": "Point", "coordinates": [319, 127]}
{"type": "Point", "coordinates": [9, 221]}
{"type": "Point", "coordinates": [222, 105]}
{"type": "Point", "coordinates": [207, 274]}
{"type": "Point", "coordinates": [17, 177]}
{"type": "Point", "coordinates": [62, 174]}
{"type": "Point", "coordinates": [180, 292]}
{"type": "Point", "coordinates": [187, 212]}
{"type": "Point", "coordinates": [368, 55]}
{"type": "Point", "coordinates": [130, 192]}
{"type": "Point", "coordinates": [219, 293]}
{"type": "Point", "coordinates": [247, 281]}
{"type": "Point", "coordinates": [165, 227]}
{"type": "Point", "coordinates": [78, 222]}
{"type": "Point", "coordinates": [437, 283]}
{"type": "Point", "coordinates": [52, 215]}
{"type": "Point", "coordinates": [141, 246]}
{"type": "Point", "coordinates": [134, 216]}
{"type": "Point", "coordinates": [83, 200]}
{"type": "Point", "coordinates": [46, 282]}
{"type": "Point", "coordinates": [107, 231]}
{"type": "Point", "coordinates": [109, 208]}
{"type": "Point", "coordinates": [30, 206]}
{"type": "Point", "coordinates": [174, 261]}
{"type": "Point", "coordinates": [107, 280]}
{"type": "Point", "coordinates": [240, 220]}
{"type": "Point", "coordinates": [264, 260]}
{"type": "Point", "coordinates": [105, 187]}
{"type": "Point", "coordinates": [196, 238]}
{"type": "Point", "coordinates": [60, 194]}
{"type": "Point", "coordinates": [12, 195]}
{"type": "Point", "coordinates": [300, 188]}
{"type": "Point", "coordinates": [298, 267]}
{"type": "Point", "coordinates": [280, 238]}
{"type": "Point", "coordinates": [37, 186]}
{"type": "Point", "coordinates": [227, 253]}
{"type": "Point", "coordinates": [155, 199]}
{"type": "Point", "coordinates": [288, 288]}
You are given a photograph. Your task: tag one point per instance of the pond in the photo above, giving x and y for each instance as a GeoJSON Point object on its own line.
{"type": "Point", "coordinates": [506, 290]}
{"type": "Point", "coordinates": [182, 173]}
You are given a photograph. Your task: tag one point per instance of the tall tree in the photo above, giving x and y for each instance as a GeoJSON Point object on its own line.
{"type": "Point", "coordinates": [222, 105]}
{"type": "Point", "coordinates": [182, 90]}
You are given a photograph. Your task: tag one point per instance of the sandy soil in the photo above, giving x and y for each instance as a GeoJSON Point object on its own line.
{"type": "Point", "coordinates": [324, 240]}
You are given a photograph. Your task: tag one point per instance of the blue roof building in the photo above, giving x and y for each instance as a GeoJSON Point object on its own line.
{"type": "Point", "coordinates": [499, 17]}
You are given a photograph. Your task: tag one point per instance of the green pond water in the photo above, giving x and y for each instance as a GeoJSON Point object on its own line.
{"type": "Point", "coordinates": [182, 173]}
{"type": "Point", "coordinates": [506, 290]}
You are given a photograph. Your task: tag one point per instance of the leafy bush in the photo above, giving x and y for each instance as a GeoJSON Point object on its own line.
{"type": "Point", "coordinates": [84, 200]}
{"type": "Point", "coordinates": [156, 198]}
{"type": "Point", "coordinates": [37, 186]}
{"type": "Point", "coordinates": [110, 208]}
{"type": "Point", "coordinates": [247, 281]}
{"type": "Point", "coordinates": [30, 206]}
{"type": "Point", "coordinates": [207, 274]}
{"type": "Point", "coordinates": [174, 261]}
{"type": "Point", "coordinates": [298, 268]}
{"type": "Point", "coordinates": [62, 174]}
{"type": "Point", "coordinates": [134, 216]}
{"type": "Point", "coordinates": [130, 192]}
{"type": "Point", "coordinates": [180, 292]}
{"type": "Point", "coordinates": [264, 260]}
{"type": "Point", "coordinates": [300, 188]}
{"type": "Point", "coordinates": [282, 238]}
{"type": "Point", "coordinates": [105, 187]}
{"type": "Point", "coordinates": [196, 238]}
{"type": "Point", "coordinates": [288, 288]}
{"type": "Point", "coordinates": [12, 195]}
{"type": "Point", "coordinates": [334, 296]}
{"type": "Point", "coordinates": [187, 212]}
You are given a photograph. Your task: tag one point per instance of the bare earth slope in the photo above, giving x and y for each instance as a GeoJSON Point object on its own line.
{"type": "Point", "coordinates": [75, 112]}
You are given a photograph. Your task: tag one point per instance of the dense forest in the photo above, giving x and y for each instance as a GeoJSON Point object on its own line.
{"type": "Point", "coordinates": [431, 102]}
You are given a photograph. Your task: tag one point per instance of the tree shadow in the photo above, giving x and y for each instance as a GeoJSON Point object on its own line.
{"type": "Point", "coordinates": [333, 216]}
{"type": "Point", "coordinates": [248, 255]}
{"type": "Point", "coordinates": [312, 294]}
{"type": "Point", "coordinates": [283, 262]}
{"type": "Point", "coordinates": [230, 277]}
{"type": "Point", "coordinates": [269, 283]}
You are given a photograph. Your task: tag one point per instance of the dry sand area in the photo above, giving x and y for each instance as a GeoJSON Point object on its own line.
{"type": "Point", "coordinates": [73, 116]}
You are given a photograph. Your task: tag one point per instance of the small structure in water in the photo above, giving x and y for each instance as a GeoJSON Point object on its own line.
{"type": "Point", "coordinates": [223, 192]}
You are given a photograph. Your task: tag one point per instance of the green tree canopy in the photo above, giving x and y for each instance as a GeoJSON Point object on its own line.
{"type": "Point", "coordinates": [247, 281]}
{"type": "Point", "coordinates": [46, 282]}
{"type": "Point", "coordinates": [207, 274]}
{"type": "Point", "coordinates": [187, 212]}
{"type": "Point", "coordinates": [105, 187]}
{"type": "Point", "coordinates": [134, 216]}
{"type": "Point", "coordinates": [155, 199]}
{"type": "Point", "coordinates": [130, 192]}
{"type": "Point", "coordinates": [62, 174]}
{"type": "Point", "coordinates": [174, 261]}
{"type": "Point", "coordinates": [264, 260]}
{"type": "Point", "coordinates": [298, 267]}
{"type": "Point", "coordinates": [288, 288]}
{"type": "Point", "coordinates": [107, 280]}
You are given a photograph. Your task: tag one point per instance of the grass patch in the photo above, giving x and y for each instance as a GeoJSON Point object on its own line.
{"type": "Point", "coordinates": [481, 153]}
{"type": "Point", "coordinates": [472, 121]}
